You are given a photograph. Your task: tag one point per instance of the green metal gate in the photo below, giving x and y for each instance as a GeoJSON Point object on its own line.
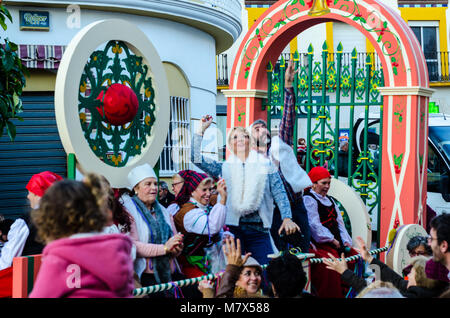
{"type": "Point", "coordinates": [329, 94]}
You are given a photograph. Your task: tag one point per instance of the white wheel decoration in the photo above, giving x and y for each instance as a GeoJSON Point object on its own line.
{"type": "Point", "coordinates": [66, 96]}
{"type": "Point", "coordinates": [355, 208]}
{"type": "Point", "coordinates": [398, 257]}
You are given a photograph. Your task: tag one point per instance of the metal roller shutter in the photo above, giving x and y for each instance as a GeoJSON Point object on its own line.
{"type": "Point", "coordinates": [37, 148]}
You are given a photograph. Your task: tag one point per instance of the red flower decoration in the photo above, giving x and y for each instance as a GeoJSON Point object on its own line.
{"type": "Point", "coordinates": [397, 169]}
{"type": "Point", "coordinates": [396, 223]}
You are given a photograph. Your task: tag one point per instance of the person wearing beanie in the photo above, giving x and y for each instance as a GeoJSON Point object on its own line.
{"type": "Point", "coordinates": [199, 221]}
{"type": "Point", "coordinates": [253, 184]}
{"type": "Point", "coordinates": [417, 284]}
{"type": "Point", "coordinates": [38, 184]}
{"type": "Point", "coordinates": [279, 149]}
{"type": "Point", "coordinates": [153, 231]}
{"type": "Point", "coordinates": [19, 236]}
{"type": "Point", "coordinates": [328, 233]}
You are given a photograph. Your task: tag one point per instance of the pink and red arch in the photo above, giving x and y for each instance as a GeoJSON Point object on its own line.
{"type": "Point", "coordinates": [406, 91]}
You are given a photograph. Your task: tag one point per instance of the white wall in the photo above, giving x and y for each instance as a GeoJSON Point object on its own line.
{"type": "Point", "coordinates": [315, 35]}
{"type": "Point", "coordinates": [189, 48]}
{"type": "Point", "coordinates": [441, 97]}
{"type": "Point", "coordinates": [349, 37]}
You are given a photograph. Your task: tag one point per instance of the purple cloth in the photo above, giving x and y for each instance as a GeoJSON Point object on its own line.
{"type": "Point", "coordinates": [435, 270]}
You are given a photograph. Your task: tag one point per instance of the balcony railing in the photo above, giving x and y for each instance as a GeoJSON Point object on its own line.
{"type": "Point", "coordinates": [438, 63]}
{"type": "Point", "coordinates": [222, 70]}
{"type": "Point", "coordinates": [438, 66]}
{"type": "Point", "coordinates": [346, 59]}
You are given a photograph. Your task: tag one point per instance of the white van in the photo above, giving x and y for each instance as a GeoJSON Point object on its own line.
{"type": "Point", "coordinates": [438, 174]}
{"type": "Point", "coordinates": [438, 183]}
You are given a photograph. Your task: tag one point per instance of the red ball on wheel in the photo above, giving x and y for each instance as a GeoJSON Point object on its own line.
{"type": "Point", "coordinates": [120, 104]}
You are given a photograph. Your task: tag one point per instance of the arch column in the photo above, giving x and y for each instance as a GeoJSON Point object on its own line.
{"type": "Point", "coordinates": [404, 157]}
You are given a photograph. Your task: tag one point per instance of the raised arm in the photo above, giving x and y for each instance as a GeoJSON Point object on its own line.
{"type": "Point", "coordinates": [210, 166]}
{"type": "Point", "coordinates": [286, 131]}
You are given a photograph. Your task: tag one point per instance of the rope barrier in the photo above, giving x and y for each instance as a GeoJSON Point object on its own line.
{"type": "Point", "coordinates": [351, 258]}
{"type": "Point", "coordinates": [190, 281]}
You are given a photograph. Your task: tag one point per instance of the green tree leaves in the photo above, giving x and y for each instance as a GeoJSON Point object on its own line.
{"type": "Point", "coordinates": [12, 80]}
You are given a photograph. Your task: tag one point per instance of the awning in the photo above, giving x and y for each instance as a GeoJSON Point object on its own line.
{"type": "Point", "coordinates": [41, 56]}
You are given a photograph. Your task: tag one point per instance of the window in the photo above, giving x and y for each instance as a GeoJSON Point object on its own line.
{"type": "Point", "coordinates": [175, 154]}
{"type": "Point", "coordinates": [221, 119]}
{"type": "Point", "coordinates": [438, 177]}
{"type": "Point", "coordinates": [428, 34]}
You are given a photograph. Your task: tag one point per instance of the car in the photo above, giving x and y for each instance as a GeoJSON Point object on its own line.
{"type": "Point", "coordinates": [438, 172]}
{"type": "Point", "coordinates": [438, 180]}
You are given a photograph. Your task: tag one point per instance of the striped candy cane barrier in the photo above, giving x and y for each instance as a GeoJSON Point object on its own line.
{"type": "Point", "coordinates": [352, 258]}
{"type": "Point", "coordinates": [186, 282]}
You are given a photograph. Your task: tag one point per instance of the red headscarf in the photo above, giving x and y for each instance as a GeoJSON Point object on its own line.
{"type": "Point", "coordinates": [40, 182]}
{"type": "Point", "coordinates": [191, 181]}
{"type": "Point", "coordinates": [318, 173]}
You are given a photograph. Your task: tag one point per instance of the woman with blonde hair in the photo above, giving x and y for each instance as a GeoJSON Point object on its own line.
{"type": "Point", "coordinates": [253, 184]}
{"type": "Point", "coordinates": [79, 260]}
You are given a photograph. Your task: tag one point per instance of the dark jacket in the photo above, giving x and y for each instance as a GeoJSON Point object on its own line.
{"type": "Point", "coordinates": [167, 200]}
{"type": "Point", "coordinates": [389, 275]}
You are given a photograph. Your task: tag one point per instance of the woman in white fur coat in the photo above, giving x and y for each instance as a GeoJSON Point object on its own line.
{"type": "Point", "coordinates": [253, 184]}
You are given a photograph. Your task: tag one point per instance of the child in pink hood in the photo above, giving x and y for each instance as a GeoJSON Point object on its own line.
{"type": "Point", "coordinates": [78, 260]}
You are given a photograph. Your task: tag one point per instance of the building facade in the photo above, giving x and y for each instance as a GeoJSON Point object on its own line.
{"type": "Point", "coordinates": [187, 35]}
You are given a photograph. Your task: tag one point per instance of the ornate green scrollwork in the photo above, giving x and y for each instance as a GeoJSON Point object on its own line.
{"type": "Point", "coordinates": [115, 145]}
{"type": "Point", "coordinates": [322, 139]}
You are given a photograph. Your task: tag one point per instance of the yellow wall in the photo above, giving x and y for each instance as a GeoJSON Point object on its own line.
{"type": "Point", "coordinates": [429, 14]}
{"type": "Point", "coordinates": [177, 82]}
{"type": "Point", "coordinates": [255, 13]}
{"type": "Point", "coordinates": [40, 81]}
{"type": "Point", "coordinates": [329, 36]}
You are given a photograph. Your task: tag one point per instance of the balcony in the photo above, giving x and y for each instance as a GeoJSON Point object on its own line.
{"type": "Point", "coordinates": [220, 18]}
{"type": "Point", "coordinates": [437, 62]}
{"type": "Point", "coordinates": [222, 71]}
{"type": "Point", "coordinates": [222, 64]}
{"type": "Point", "coordinates": [438, 67]}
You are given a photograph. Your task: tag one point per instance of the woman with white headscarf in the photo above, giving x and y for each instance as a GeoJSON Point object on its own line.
{"type": "Point", "coordinates": [153, 231]}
